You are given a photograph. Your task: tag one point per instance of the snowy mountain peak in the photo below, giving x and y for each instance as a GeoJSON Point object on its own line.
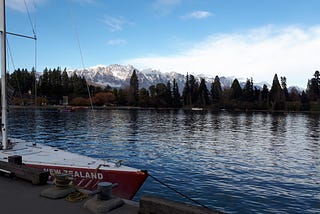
{"type": "Point", "coordinates": [118, 76]}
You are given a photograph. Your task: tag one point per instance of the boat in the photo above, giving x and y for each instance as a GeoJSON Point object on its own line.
{"type": "Point", "coordinates": [196, 109]}
{"type": "Point", "coordinates": [86, 172]}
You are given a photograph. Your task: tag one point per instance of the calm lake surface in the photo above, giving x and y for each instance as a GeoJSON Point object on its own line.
{"type": "Point", "coordinates": [233, 162]}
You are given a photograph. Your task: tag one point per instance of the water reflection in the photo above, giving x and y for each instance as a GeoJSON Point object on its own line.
{"type": "Point", "coordinates": [313, 124]}
{"type": "Point", "coordinates": [235, 162]}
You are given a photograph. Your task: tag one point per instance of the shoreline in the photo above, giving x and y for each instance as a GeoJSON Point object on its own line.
{"type": "Point", "coordinates": [196, 109]}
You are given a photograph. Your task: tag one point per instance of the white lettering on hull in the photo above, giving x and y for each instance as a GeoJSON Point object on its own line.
{"type": "Point", "coordinates": [77, 174]}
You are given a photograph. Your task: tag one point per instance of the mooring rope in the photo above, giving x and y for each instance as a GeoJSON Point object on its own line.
{"type": "Point", "coordinates": [76, 196]}
{"type": "Point", "coordinates": [178, 192]}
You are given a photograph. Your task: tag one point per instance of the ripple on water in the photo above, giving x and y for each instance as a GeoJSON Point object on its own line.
{"type": "Point", "coordinates": [238, 163]}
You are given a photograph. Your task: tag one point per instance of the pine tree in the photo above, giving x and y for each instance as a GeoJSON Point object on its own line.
{"type": "Point", "coordinates": [203, 98]}
{"type": "Point", "coordinates": [264, 93]}
{"type": "Point", "coordinates": [194, 87]}
{"type": "Point", "coordinates": [284, 87]}
{"type": "Point", "coordinates": [248, 91]}
{"type": "Point", "coordinates": [144, 97]}
{"type": "Point", "coordinates": [134, 89]}
{"type": "Point", "coordinates": [236, 90]}
{"type": "Point", "coordinates": [169, 99]}
{"type": "Point", "coordinates": [305, 102]}
{"type": "Point", "coordinates": [65, 82]}
{"type": "Point", "coordinates": [313, 88]}
{"type": "Point", "coordinates": [176, 95]}
{"type": "Point", "coordinates": [276, 96]}
{"type": "Point", "coordinates": [186, 94]}
{"type": "Point", "coordinates": [216, 90]}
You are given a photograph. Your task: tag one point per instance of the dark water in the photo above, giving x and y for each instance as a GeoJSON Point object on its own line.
{"type": "Point", "coordinates": [237, 163]}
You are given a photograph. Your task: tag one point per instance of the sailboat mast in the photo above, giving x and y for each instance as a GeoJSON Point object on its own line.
{"type": "Point", "coordinates": [4, 104]}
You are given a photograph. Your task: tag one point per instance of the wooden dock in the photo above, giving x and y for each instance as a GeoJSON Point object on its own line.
{"type": "Point", "coordinates": [19, 195]}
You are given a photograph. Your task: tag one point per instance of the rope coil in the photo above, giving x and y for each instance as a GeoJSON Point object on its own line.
{"type": "Point", "coordinates": [62, 181]}
{"type": "Point", "coordinates": [76, 196]}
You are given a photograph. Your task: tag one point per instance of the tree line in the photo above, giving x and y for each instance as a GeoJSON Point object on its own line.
{"type": "Point", "coordinates": [54, 84]}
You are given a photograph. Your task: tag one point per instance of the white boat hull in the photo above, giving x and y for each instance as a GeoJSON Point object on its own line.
{"type": "Point", "coordinates": [86, 172]}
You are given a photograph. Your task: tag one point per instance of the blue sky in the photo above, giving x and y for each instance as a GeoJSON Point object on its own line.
{"type": "Point", "coordinates": [239, 38]}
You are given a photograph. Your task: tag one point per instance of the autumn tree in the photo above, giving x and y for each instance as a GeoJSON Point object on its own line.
{"type": "Point", "coordinates": [103, 98]}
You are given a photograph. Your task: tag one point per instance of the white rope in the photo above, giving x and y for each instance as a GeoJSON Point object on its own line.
{"type": "Point", "coordinates": [81, 54]}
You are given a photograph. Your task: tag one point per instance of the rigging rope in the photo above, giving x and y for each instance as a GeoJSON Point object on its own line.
{"type": "Point", "coordinates": [83, 67]}
{"type": "Point", "coordinates": [81, 54]}
{"type": "Point", "coordinates": [32, 26]}
{"type": "Point", "coordinates": [176, 191]}
{"type": "Point", "coordinates": [14, 68]}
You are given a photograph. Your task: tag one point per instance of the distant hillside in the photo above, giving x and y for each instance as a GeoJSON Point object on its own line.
{"type": "Point", "coordinates": [118, 76]}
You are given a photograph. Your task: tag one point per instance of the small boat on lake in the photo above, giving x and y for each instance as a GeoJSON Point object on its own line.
{"type": "Point", "coordinates": [197, 109]}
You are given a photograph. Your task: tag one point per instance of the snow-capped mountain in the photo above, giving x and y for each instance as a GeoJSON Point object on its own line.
{"type": "Point", "coordinates": [118, 76]}
{"type": "Point", "coordinates": [113, 75]}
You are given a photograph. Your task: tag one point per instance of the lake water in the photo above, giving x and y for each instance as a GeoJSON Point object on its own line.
{"type": "Point", "coordinates": [233, 162]}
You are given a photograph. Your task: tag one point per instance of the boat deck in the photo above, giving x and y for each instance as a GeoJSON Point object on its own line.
{"type": "Point", "coordinates": [45, 155]}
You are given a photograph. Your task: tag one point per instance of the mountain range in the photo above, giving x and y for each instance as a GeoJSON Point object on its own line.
{"type": "Point", "coordinates": [118, 76]}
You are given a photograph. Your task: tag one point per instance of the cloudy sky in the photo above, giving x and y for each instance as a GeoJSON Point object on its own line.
{"type": "Point", "coordinates": [237, 38]}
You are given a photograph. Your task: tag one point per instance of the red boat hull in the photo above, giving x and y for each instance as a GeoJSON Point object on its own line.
{"type": "Point", "coordinates": [129, 181]}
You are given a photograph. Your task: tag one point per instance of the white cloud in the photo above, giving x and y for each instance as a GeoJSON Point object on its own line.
{"type": "Point", "coordinates": [116, 42]}
{"type": "Point", "coordinates": [115, 23]}
{"type": "Point", "coordinates": [19, 5]}
{"type": "Point", "coordinates": [163, 7]}
{"type": "Point", "coordinates": [200, 14]}
{"type": "Point", "coordinates": [293, 52]}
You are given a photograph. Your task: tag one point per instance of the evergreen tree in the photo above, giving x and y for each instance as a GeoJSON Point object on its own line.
{"type": "Point", "coordinates": [161, 95]}
{"type": "Point", "coordinates": [186, 94]}
{"type": "Point", "coordinates": [169, 99]}
{"type": "Point", "coordinates": [203, 98]}
{"type": "Point", "coordinates": [152, 90]}
{"type": "Point", "coordinates": [256, 94]}
{"type": "Point", "coordinates": [313, 88]}
{"type": "Point", "coordinates": [305, 102]}
{"type": "Point", "coordinates": [144, 97]}
{"type": "Point", "coordinates": [122, 95]}
{"type": "Point", "coordinates": [236, 90]}
{"type": "Point", "coordinates": [276, 96]}
{"type": "Point", "coordinates": [134, 89]}
{"type": "Point", "coordinates": [216, 90]}
{"type": "Point", "coordinates": [248, 91]}
{"type": "Point", "coordinates": [264, 93]}
{"type": "Point", "coordinates": [193, 89]}
{"type": "Point", "coordinates": [65, 82]}
{"type": "Point", "coordinates": [176, 95]}
{"type": "Point", "coordinates": [44, 83]}
{"type": "Point", "coordinates": [284, 87]}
